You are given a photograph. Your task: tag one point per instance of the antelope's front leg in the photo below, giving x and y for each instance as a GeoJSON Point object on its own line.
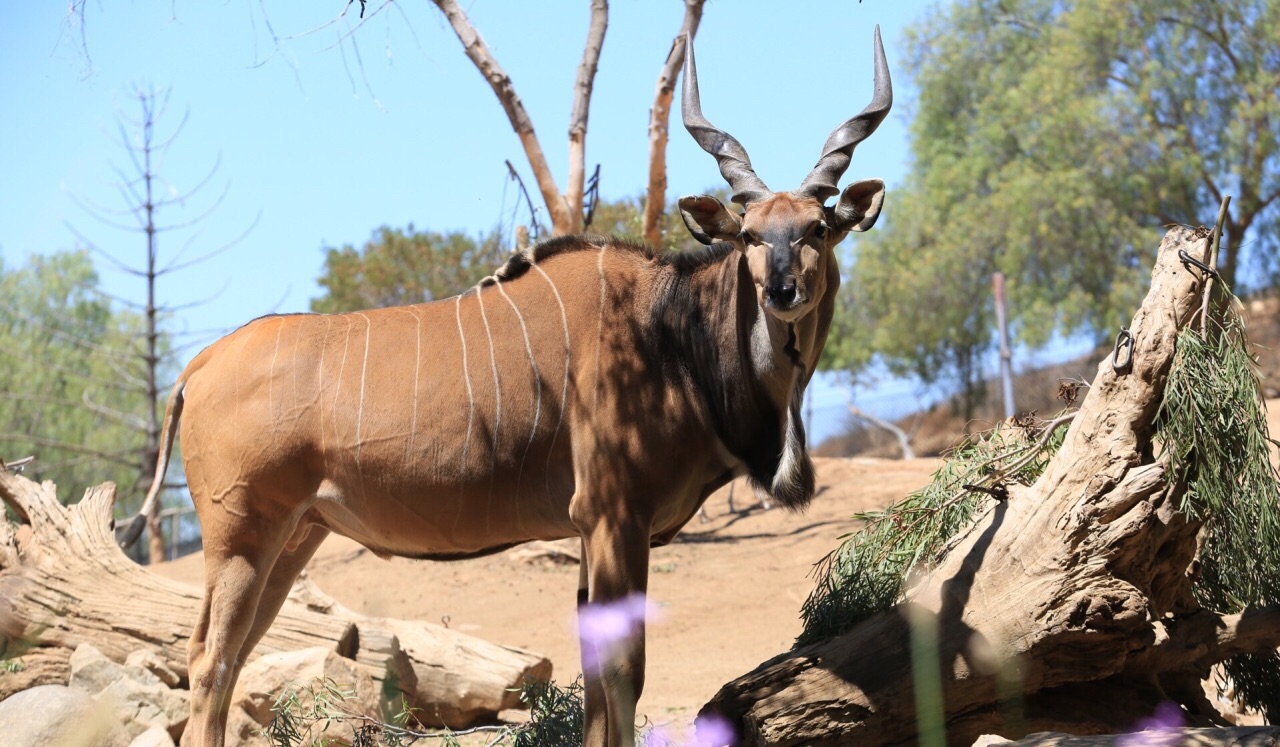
{"type": "Point", "coordinates": [611, 626]}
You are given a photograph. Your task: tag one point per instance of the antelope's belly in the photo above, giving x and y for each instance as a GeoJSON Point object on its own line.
{"type": "Point", "coordinates": [442, 521]}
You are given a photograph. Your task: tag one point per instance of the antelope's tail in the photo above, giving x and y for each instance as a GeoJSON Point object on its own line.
{"type": "Point", "coordinates": [172, 414]}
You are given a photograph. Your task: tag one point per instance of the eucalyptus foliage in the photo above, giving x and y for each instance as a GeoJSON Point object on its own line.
{"type": "Point", "coordinates": [1213, 426]}
{"type": "Point", "coordinates": [870, 571]}
{"type": "Point", "coordinates": [71, 389]}
{"type": "Point", "coordinates": [1052, 140]}
{"type": "Point", "coordinates": [302, 711]}
{"type": "Point", "coordinates": [397, 267]}
{"type": "Point", "coordinates": [405, 266]}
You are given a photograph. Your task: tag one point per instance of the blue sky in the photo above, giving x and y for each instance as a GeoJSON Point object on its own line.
{"type": "Point", "coordinates": [326, 149]}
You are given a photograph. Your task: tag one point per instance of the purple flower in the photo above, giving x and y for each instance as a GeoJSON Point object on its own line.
{"type": "Point", "coordinates": [711, 730]}
{"type": "Point", "coordinates": [1156, 731]}
{"type": "Point", "coordinates": [606, 628]}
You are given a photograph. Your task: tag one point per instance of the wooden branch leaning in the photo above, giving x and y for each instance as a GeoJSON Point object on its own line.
{"type": "Point", "coordinates": [64, 581]}
{"type": "Point", "coordinates": [1075, 592]}
{"type": "Point", "coordinates": [479, 54]}
{"type": "Point", "coordinates": [655, 202]}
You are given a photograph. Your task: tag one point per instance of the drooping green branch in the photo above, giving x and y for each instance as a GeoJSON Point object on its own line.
{"type": "Point", "coordinates": [870, 571]}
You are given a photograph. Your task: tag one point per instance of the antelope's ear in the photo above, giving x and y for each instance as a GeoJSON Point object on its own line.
{"type": "Point", "coordinates": [708, 219]}
{"type": "Point", "coordinates": [859, 206]}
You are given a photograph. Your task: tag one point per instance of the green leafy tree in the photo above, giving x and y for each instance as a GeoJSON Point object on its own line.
{"type": "Point", "coordinates": [624, 218]}
{"type": "Point", "coordinates": [71, 387]}
{"type": "Point", "coordinates": [1051, 141]}
{"type": "Point", "coordinates": [397, 267]}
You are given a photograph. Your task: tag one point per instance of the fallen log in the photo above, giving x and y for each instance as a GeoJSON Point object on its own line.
{"type": "Point", "coordinates": [1067, 607]}
{"type": "Point", "coordinates": [64, 581]}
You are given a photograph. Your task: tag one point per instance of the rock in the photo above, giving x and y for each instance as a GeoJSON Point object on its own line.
{"type": "Point", "coordinates": [59, 716]}
{"type": "Point", "coordinates": [149, 660]}
{"type": "Point", "coordinates": [137, 696]}
{"type": "Point", "coordinates": [92, 672]}
{"type": "Point", "coordinates": [264, 679]}
{"type": "Point", "coordinates": [243, 731]}
{"type": "Point", "coordinates": [156, 736]}
{"type": "Point", "coordinates": [46, 665]}
{"type": "Point", "coordinates": [142, 705]}
{"type": "Point", "coordinates": [989, 740]}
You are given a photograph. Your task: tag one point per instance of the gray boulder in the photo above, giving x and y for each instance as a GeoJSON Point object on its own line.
{"type": "Point", "coordinates": [156, 736]}
{"type": "Point", "coordinates": [59, 716]}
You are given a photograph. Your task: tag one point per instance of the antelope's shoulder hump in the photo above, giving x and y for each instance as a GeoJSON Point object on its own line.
{"type": "Point", "coordinates": [682, 262]}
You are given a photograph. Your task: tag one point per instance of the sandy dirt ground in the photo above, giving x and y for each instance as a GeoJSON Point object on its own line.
{"type": "Point", "coordinates": [726, 594]}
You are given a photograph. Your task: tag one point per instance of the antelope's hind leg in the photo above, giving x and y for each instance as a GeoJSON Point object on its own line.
{"type": "Point", "coordinates": [241, 550]}
{"type": "Point", "coordinates": [280, 582]}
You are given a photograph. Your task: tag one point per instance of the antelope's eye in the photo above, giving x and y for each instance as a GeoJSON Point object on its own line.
{"type": "Point", "coordinates": [820, 231]}
{"type": "Point", "coordinates": [747, 237]}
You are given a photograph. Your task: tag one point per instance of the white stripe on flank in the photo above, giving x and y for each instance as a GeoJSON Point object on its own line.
{"type": "Point", "coordinates": [466, 376]}
{"type": "Point", "coordinates": [537, 408]}
{"type": "Point", "coordinates": [564, 388]}
{"type": "Point", "coordinates": [324, 345]}
{"type": "Point", "coordinates": [417, 371]}
{"type": "Point", "coordinates": [497, 403]}
{"type": "Point", "coordinates": [364, 367]}
{"type": "Point", "coordinates": [271, 378]}
{"type": "Point", "coordinates": [337, 388]}
{"type": "Point", "coordinates": [493, 365]}
{"type": "Point", "coordinates": [595, 394]}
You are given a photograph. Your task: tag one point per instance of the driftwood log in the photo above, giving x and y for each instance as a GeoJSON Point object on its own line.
{"type": "Point", "coordinates": [1066, 608]}
{"type": "Point", "coordinates": [64, 581]}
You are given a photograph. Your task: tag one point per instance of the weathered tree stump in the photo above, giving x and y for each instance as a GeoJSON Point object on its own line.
{"type": "Point", "coordinates": [1066, 608]}
{"type": "Point", "coordinates": [64, 581]}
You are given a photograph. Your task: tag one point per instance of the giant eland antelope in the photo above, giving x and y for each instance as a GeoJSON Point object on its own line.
{"type": "Point", "coordinates": [590, 387]}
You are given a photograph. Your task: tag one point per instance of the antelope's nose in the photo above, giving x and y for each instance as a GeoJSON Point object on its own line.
{"type": "Point", "coordinates": [781, 294]}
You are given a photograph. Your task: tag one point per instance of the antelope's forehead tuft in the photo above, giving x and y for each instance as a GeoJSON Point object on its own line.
{"type": "Point", "coordinates": [782, 213]}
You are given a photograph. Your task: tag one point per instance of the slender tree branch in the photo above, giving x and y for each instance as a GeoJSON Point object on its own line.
{"type": "Point", "coordinates": [478, 52]}
{"type": "Point", "coordinates": [655, 203]}
{"type": "Point", "coordinates": [50, 443]}
{"type": "Point", "coordinates": [904, 442]}
{"type": "Point", "coordinates": [582, 88]}
{"type": "Point", "coordinates": [1212, 261]}
{"type": "Point", "coordinates": [63, 335]}
{"type": "Point", "coordinates": [198, 218]}
{"type": "Point", "coordinates": [174, 265]}
{"type": "Point", "coordinates": [131, 420]}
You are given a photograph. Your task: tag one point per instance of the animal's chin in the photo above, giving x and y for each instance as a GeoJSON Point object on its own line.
{"type": "Point", "coordinates": [787, 313]}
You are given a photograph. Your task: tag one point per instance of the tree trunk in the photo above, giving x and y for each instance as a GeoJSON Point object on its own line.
{"type": "Point", "coordinates": [582, 87]}
{"type": "Point", "coordinates": [1068, 607]}
{"type": "Point", "coordinates": [64, 581]}
{"type": "Point", "coordinates": [655, 201]}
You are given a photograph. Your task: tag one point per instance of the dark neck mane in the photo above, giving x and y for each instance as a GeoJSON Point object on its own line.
{"type": "Point", "coordinates": [704, 319]}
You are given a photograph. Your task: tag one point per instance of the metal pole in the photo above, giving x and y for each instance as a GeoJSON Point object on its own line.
{"type": "Point", "coordinates": [1006, 354]}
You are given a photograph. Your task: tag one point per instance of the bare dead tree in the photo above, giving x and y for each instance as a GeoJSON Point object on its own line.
{"type": "Point", "coordinates": [145, 193]}
{"type": "Point", "coordinates": [565, 210]}
{"type": "Point", "coordinates": [655, 202]}
{"type": "Point", "coordinates": [904, 440]}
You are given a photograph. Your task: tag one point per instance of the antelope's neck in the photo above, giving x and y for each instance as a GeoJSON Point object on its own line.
{"type": "Point", "coordinates": [750, 368]}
